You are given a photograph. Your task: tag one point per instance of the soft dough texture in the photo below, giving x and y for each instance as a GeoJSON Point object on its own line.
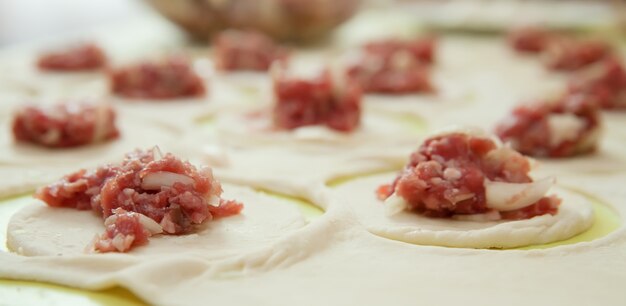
{"type": "Point", "coordinates": [40, 230]}
{"type": "Point", "coordinates": [575, 216]}
{"type": "Point", "coordinates": [335, 260]}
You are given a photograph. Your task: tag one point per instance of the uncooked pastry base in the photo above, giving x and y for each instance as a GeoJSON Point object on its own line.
{"type": "Point", "coordinates": [40, 230]}
{"type": "Point", "coordinates": [575, 216]}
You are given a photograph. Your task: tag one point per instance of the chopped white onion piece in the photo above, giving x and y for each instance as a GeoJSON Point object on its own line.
{"type": "Point", "coordinates": [503, 196]}
{"type": "Point", "coordinates": [563, 127]}
{"type": "Point", "coordinates": [156, 180]}
{"type": "Point", "coordinates": [119, 242]}
{"type": "Point", "coordinates": [156, 153]}
{"type": "Point", "coordinates": [394, 205]}
{"type": "Point", "coordinates": [150, 225]}
{"type": "Point", "coordinates": [214, 200]}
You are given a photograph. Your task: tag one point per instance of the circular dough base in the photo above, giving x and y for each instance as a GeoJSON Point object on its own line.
{"type": "Point", "coordinates": [575, 216]}
{"type": "Point", "coordinates": [39, 230]}
{"type": "Point", "coordinates": [240, 129]}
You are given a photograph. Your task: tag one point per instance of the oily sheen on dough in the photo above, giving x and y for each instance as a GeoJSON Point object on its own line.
{"type": "Point", "coordinates": [40, 230]}
{"type": "Point", "coordinates": [575, 216]}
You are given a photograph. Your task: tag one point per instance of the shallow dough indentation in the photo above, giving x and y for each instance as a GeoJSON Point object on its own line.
{"type": "Point", "coordinates": [39, 230]}
{"type": "Point", "coordinates": [575, 216]}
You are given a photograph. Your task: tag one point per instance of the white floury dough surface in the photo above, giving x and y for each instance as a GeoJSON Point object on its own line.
{"type": "Point", "coordinates": [335, 259]}
{"type": "Point", "coordinates": [575, 215]}
{"type": "Point", "coordinates": [40, 230]}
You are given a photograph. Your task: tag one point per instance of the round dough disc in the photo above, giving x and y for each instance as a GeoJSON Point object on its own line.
{"type": "Point", "coordinates": [39, 230]}
{"type": "Point", "coordinates": [575, 216]}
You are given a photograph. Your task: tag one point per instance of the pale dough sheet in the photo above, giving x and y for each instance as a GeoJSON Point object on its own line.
{"type": "Point", "coordinates": [292, 170]}
{"type": "Point", "coordinates": [337, 262]}
{"type": "Point", "coordinates": [575, 216]}
{"type": "Point", "coordinates": [40, 230]}
{"type": "Point", "coordinates": [270, 255]}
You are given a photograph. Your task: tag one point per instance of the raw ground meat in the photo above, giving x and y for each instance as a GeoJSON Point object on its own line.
{"type": "Point", "coordinates": [394, 66]}
{"type": "Point", "coordinates": [323, 100]}
{"type": "Point", "coordinates": [123, 232]}
{"type": "Point", "coordinates": [529, 39]}
{"type": "Point", "coordinates": [529, 131]}
{"type": "Point", "coordinates": [170, 78]}
{"type": "Point", "coordinates": [64, 125]}
{"type": "Point", "coordinates": [77, 58]}
{"type": "Point", "coordinates": [571, 54]}
{"type": "Point", "coordinates": [445, 177]}
{"type": "Point", "coordinates": [605, 83]}
{"type": "Point", "coordinates": [171, 192]}
{"type": "Point", "coordinates": [246, 50]}
{"type": "Point", "coordinates": [559, 51]}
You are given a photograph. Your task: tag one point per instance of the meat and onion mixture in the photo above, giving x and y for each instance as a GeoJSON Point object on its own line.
{"type": "Point", "coordinates": [559, 51]}
{"type": "Point", "coordinates": [573, 54]}
{"type": "Point", "coordinates": [604, 83]}
{"type": "Point", "coordinates": [529, 39]}
{"type": "Point", "coordinates": [246, 50]}
{"type": "Point", "coordinates": [147, 193]}
{"type": "Point", "coordinates": [65, 125]}
{"type": "Point", "coordinates": [327, 99]}
{"type": "Point", "coordinates": [567, 127]}
{"type": "Point", "coordinates": [77, 58]}
{"type": "Point", "coordinates": [170, 78]}
{"type": "Point", "coordinates": [470, 176]}
{"type": "Point", "coordinates": [395, 66]}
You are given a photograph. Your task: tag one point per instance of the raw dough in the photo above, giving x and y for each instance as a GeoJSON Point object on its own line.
{"type": "Point", "coordinates": [375, 130]}
{"type": "Point", "coordinates": [39, 230]}
{"type": "Point", "coordinates": [575, 216]}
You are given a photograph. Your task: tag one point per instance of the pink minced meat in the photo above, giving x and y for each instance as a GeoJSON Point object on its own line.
{"type": "Point", "coordinates": [170, 78]}
{"type": "Point", "coordinates": [65, 125]}
{"type": "Point", "coordinates": [605, 83]}
{"type": "Point", "coordinates": [529, 39]}
{"type": "Point", "coordinates": [172, 192]}
{"type": "Point", "coordinates": [246, 50]}
{"type": "Point", "coordinates": [317, 101]}
{"type": "Point", "coordinates": [77, 58]}
{"type": "Point", "coordinates": [559, 51]}
{"type": "Point", "coordinates": [123, 233]}
{"type": "Point", "coordinates": [445, 177]}
{"type": "Point", "coordinates": [566, 53]}
{"type": "Point", "coordinates": [528, 131]}
{"type": "Point", "coordinates": [395, 67]}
